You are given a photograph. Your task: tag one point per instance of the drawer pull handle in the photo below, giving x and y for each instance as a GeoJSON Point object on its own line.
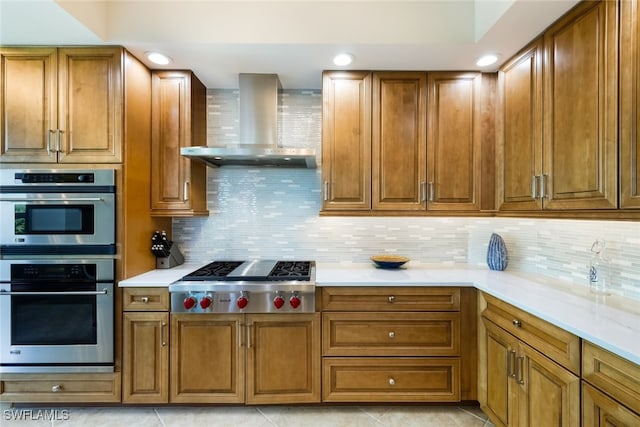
{"type": "Point", "coordinates": [517, 323]}
{"type": "Point", "coordinates": [163, 342]}
{"type": "Point", "coordinates": [392, 334]}
{"type": "Point", "coordinates": [144, 299]}
{"type": "Point", "coordinates": [392, 381]}
{"type": "Point", "coordinates": [520, 370]}
{"type": "Point", "coordinates": [392, 299]}
{"type": "Point", "coordinates": [56, 388]}
{"type": "Point", "coordinates": [511, 362]}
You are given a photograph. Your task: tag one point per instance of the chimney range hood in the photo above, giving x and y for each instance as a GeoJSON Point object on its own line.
{"type": "Point", "coordinates": [259, 101]}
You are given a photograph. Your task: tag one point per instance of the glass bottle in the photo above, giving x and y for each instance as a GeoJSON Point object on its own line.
{"type": "Point", "coordinates": [599, 269]}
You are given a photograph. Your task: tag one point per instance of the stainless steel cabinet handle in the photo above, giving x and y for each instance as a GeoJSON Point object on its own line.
{"type": "Point", "coordinates": [391, 299]}
{"type": "Point", "coordinates": [543, 186]}
{"type": "Point", "coordinates": [249, 335]}
{"type": "Point", "coordinates": [57, 388]}
{"type": "Point", "coordinates": [392, 381]}
{"type": "Point", "coordinates": [51, 131]}
{"type": "Point", "coordinates": [187, 187]}
{"type": "Point", "coordinates": [511, 362]}
{"type": "Point", "coordinates": [163, 326]}
{"type": "Point", "coordinates": [392, 334]}
{"type": "Point", "coordinates": [423, 191]}
{"type": "Point", "coordinates": [241, 335]}
{"type": "Point", "coordinates": [102, 292]}
{"type": "Point", "coordinates": [520, 370]}
{"type": "Point", "coordinates": [145, 300]}
{"type": "Point", "coordinates": [534, 187]}
{"type": "Point", "coordinates": [432, 194]}
{"type": "Point", "coordinates": [325, 191]}
{"type": "Point", "coordinates": [58, 133]}
{"type": "Point", "coordinates": [517, 323]}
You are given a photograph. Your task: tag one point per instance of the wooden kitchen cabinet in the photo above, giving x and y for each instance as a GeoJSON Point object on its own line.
{"type": "Point", "coordinates": [61, 104]}
{"type": "Point", "coordinates": [398, 344]}
{"type": "Point", "coordinates": [530, 368]}
{"type": "Point", "coordinates": [145, 332]}
{"type": "Point", "coordinates": [346, 140]}
{"type": "Point", "coordinates": [610, 388]}
{"type": "Point", "coordinates": [399, 140]}
{"type": "Point", "coordinates": [178, 110]}
{"type": "Point", "coordinates": [59, 388]}
{"type": "Point", "coordinates": [519, 135]}
{"type": "Point", "coordinates": [580, 167]}
{"type": "Point", "coordinates": [454, 141]}
{"type": "Point", "coordinates": [236, 358]}
{"type": "Point", "coordinates": [629, 105]}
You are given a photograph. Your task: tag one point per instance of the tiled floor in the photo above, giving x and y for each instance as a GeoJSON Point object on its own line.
{"type": "Point", "coordinates": [244, 416]}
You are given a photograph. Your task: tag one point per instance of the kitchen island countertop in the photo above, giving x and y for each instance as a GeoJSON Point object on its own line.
{"type": "Point", "coordinates": [612, 322]}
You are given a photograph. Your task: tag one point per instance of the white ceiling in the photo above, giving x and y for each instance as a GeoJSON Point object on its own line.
{"type": "Point", "coordinates": [294, 38]}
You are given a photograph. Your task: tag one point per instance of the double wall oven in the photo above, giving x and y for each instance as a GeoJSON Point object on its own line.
{"type": "Point", "coordinates": [57, 275]}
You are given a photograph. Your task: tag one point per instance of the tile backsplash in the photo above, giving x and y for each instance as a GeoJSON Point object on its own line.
{"type": "Point", "coordinates": [273, 213]}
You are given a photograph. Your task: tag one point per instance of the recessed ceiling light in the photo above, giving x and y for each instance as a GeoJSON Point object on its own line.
{"type": "Point", "coordinates": [343, 59]}
{"type": "Point", "coordinates": [158, 58]}
{"type": "Point", "coordinates": [486, 60]}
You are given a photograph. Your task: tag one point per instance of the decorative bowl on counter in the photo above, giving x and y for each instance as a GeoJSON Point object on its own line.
{"type": "Point", "coordinates": [389, 261]}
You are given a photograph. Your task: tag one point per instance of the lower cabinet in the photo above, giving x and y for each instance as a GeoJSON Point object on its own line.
{"type": "Point", "coordinates": [610, 389]}
{"type": "Point", "coordinates": [252, 358]}
{"type": "Point", "coordinates": [59, 388]}
{"type": "Point", "coordinates": [524, 386]}
{"type": "Point", "coordinates": [396, 344]}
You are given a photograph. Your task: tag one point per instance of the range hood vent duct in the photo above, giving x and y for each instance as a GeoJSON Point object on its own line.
{"type": "Point", "coordinates": [259, 139]}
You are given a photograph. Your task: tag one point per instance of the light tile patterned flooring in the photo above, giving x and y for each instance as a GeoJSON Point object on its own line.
{"type": "Point", "coordinates": [246, 416]}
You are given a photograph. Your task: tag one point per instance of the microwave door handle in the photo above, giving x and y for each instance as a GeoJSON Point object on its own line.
{"type": "Point", "coordinates": [102, 292]}
{"type": "Point", "coordinates": [74, 199]}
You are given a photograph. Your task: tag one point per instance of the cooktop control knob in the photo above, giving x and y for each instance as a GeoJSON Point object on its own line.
{"type": "Point", "coordinates": [242, 301]}
{"type": "Point", "coordinates": [189, 303]}
{"type": "Point", "coordinates": [278, 302]}
{"type": "Point", "coordinates": [205, 302]}
{"type": "Point", "coordinates": [294, 301]}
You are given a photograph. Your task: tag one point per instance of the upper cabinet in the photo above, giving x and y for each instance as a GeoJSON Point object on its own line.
{"type": "Point", "coordinates": [519, 135]}
{"type": "Point", "coordinates": [61, 105]}
{"type": "Point", "coordinates": [454, 141]}
{"type": "Point", "coordinates": [397, 141]}
{"type": "Point", "coordinates": [580, 155]}
{"type": "Point", "coordinates": [178, 111]}
{"type": "Point", "coordinates": [629, 105]}
{"type": "Point", "coordinates": [346, 140]}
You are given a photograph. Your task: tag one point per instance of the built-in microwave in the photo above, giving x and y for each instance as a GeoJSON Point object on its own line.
{"type": "Point", "coordinates": [57, 212]}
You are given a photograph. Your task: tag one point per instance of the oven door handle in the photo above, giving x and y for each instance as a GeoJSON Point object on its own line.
{"type": "Point", "coordinates": [60, 199]}
{"type": "Point", "coordinates": [102, 292]}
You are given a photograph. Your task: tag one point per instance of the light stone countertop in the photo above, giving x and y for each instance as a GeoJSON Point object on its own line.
{"type": "Point", "coordinates": [612, 322]}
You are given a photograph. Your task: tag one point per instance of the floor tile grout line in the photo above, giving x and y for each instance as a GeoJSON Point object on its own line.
{"type": "Point", "coordinates": [378, 420]}
{"type": "Point", "coordinates": [266, 417]}
{"type": "Point", "coordinates": [159, 417]}
{"type": "Point", "coordinates": [471, 413]}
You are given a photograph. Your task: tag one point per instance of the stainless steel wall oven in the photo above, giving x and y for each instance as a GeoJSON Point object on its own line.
{"type": "Point", "coordinates": [62, 212]}
{"type": "Point", "coordinates": [56, 315]}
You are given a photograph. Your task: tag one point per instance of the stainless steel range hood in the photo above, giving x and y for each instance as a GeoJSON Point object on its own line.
{"type": "Point", "coordinates": [259, 143]}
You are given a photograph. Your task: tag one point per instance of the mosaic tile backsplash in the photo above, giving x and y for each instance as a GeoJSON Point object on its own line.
{"type": "Point", "coordinates": [273, 213]}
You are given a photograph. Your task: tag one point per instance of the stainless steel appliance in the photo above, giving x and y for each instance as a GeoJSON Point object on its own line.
{"type": "Point", "coordinates": [56, 315]}
{"type": "Point", "coordinates": [57, 212]}
{"type": "Point", "coordinates": [260, 286]}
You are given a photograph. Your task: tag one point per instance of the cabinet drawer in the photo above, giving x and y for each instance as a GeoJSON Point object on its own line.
{"type": "Point", "coordinates": [145, 299]}
{"type": "Point", "coordinates": [598, 409]}
{"type": "Point", "coordinates": [552, 341]}
{"type": "Point", "coordinates": [614, 375]}
{"type": "Point", "coordinates": [391, 334]}
{"type": "Point", "coordinates": [390, 298]}
{"type": "Point", "coordinates": [60, 388]}
{"type": "Point", "coordinates": [391, 379]}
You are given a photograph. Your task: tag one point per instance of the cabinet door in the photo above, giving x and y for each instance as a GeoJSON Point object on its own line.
{"type": "Point", "coordinates": [453, 141]}
{"type": "Point", "coordinates": [599, 410]}
{"type": "Point", "coordinates": [90, 116]}
{"type": "Point", "coordinates": [145, 364]}
{"type": "Point", "coordinates": [178, 183]}
{"type": "Point", "coordinates": [581, 108]}
{"type": "Point", "coordinates": [207, 358]}
{"type": "Point", "coordinates": [283, 361]}
{"type": "Point", "coordinates": [629, 105]}
{"type": "Point", "coordinates": [519, 135]}
{"type": "Point", "coordinates": [346, 140]}
{"type": "Point", "coordinates": [399, 140]}
{"type": "Point", "coordinates": [549, 394]}
{"type": "Point", "coordinates": [28, 104]}
{"type": "Point", "coordinates": [501, 402]}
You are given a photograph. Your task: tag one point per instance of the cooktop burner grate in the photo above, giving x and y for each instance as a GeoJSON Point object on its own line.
{"type": "Point", "coordinates": [216, 270]}
{"type": "Point", "coordinates": [285, 270]}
